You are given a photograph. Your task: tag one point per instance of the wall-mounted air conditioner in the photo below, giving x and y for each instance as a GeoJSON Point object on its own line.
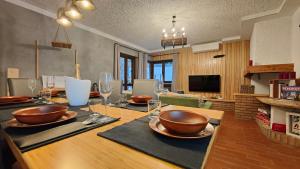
{"type": "Point", "coordinates": [207, 47]}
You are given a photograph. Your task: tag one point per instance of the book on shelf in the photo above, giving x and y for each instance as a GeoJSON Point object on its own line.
{"type": "Point", "coordinates": [291, 92]}
{"type": "Point", "coordinates": [279, 127]}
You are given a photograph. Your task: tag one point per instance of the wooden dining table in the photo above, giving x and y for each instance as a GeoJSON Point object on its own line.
{"type": "Point", "coordinates": [89, 151]}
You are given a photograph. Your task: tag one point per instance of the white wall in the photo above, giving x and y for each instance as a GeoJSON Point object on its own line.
{"type": "Point", "coordinates": [295, 36]}
{"type": "Point", "coordinates": [271, 41]}
{"type": "Point", "coordinates": [275, 41]}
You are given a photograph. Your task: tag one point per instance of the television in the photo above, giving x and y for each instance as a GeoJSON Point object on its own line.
{"type": "Point", "coordinates": [205, 83]}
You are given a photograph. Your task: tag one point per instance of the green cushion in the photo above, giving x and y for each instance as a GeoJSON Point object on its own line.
{"type": "Point", "coordinates": [206, 105]}
{"type": "Point", "coordinates": [179, 100]}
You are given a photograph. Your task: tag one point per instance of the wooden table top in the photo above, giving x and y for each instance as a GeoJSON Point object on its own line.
{"type": "Point", "coordinates": [89, 151]}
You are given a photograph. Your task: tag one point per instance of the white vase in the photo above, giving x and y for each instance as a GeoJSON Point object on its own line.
{"type": "Point", "coordinates": [77, 91]}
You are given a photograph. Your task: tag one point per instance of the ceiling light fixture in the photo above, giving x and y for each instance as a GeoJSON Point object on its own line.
{"type": "Point", "coordinates": [72, 11]}
{"type": "Point", "coordinates": [85, 4]}
{"type": "Point", "coordinates": [62, 19]}
{"type": "Point", "coordinates": [174, 38]}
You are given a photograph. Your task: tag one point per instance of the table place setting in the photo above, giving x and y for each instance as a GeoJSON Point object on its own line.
{"type": "Point", "coordinates": [178, 136]}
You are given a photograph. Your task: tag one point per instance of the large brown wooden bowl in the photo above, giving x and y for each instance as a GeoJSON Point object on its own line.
{"type": "Point", "coordinates": [182, 121]}
{"type": "Point", "coordinates": [40, 115]}
{"type": "Point", "coordinates": [6, 99]}
{"type": "Point", "coordinates": [141, 98]}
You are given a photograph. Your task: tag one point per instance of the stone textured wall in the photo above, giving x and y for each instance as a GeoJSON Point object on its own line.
{"type": "Point", "coordinates": [20, 28]}
{"type": "Point", "coordinates": [246, 106]}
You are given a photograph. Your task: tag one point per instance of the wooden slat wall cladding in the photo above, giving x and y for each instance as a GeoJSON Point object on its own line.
{"type": "Point", "coordinates": [162, 57]}
{"type": "Point", "coordinates": [231, 67]}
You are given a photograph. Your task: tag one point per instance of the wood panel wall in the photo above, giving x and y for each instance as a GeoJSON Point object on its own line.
{"type": "Point", "coordinates": [231, 67]}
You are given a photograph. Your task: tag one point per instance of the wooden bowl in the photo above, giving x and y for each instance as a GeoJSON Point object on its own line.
{"type": "Point", "coordinates": [40, 115]}
{"type": "Point", "coordinates": [141, 98]}
{"type": "Point", "coordinates": [182, 121]}
{"type": "Point", "coordinates": [6, 99]}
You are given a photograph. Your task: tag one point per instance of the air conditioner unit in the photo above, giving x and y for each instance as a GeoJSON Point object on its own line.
{"type": "Point", "coordinates": [207, 47]}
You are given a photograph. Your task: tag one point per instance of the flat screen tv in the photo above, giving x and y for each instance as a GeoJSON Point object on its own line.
{"type": "Point", "coordinates": [204, 83]}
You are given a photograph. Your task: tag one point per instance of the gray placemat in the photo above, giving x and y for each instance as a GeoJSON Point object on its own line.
{"type": "Point", "coordinates": [30, 138]}
{"type": "Point", "coordinates": [138, 135]}
{"type": "Point", "coordinates": [141, 108]}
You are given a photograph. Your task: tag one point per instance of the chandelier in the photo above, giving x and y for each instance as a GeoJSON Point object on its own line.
{"type": "Point", "coordinates": [175, 37]}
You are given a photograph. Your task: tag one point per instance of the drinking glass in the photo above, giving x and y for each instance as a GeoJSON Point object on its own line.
{"type": "Point", "coordinates": [123, 100]}
{"type": "Point", "coordinates": [32, 86]}
{"type": "Point", "coordinates": [105, 87]}
{"type": "Point", "coordinates": [154, 108]}
{"type": "Point", "coordinates": [92, 105]}
{"type": "Point", "coordinates": [160, 87]}
{"type": "Point", "coordinates": [50, 85]}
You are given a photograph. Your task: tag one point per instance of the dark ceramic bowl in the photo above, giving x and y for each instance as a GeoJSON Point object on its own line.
{"type": "Point", "coordinates": [182, 121]}
{"type": "Point", "coordinates": [40, 115]}
{"type": "Point", "coordinates": [141, 99]}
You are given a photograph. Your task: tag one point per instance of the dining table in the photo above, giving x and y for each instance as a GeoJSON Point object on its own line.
{"type": "Point", "coordinates": [89, 151]}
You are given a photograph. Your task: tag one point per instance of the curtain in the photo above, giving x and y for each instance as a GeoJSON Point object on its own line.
{"type": "Point", "coordinates": [175, 65]}
{"type": "Point", "coordinates": [140, 65]}
{"type": "Point", "coordinates": [117, 62]}
{"type": "Point", "coordinates": [145, 62]}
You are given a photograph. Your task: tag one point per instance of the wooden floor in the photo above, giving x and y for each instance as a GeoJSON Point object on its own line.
{"type": "Point", "coordinates": [240, 145]}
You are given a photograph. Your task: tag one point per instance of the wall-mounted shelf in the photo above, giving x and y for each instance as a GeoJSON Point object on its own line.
{"type": "Point", "coordinates": [275, 68]}
{"type": "Point", "coordinates": [280, 102]}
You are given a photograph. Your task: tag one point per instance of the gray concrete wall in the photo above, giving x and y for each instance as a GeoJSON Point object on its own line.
{"type": "Point", "coordinates": [19, 28]}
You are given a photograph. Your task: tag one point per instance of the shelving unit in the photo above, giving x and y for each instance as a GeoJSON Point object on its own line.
{"type": "Point", "coordinates": [275, 68]}
{"type": "Point", "coordinates": [279, 109]}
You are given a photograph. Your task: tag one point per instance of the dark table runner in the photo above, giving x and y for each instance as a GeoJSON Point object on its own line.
{"type": "Point", "coordinates": [138, 135]}
{"type": "Point", "coordinates": [30, 138]}
{"type": "Point", "coordinates": [141, 108]}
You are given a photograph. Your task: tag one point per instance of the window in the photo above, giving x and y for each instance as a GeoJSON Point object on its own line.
{"type": "Point", "coordinates": [162, 70]}
{"type": "Point", "coordinates": [127, 70]}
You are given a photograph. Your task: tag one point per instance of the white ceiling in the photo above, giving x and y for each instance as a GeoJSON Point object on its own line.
{"type": "Point", "coordinates": [141, 21]}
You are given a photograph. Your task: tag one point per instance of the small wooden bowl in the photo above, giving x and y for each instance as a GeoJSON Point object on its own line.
{"type": "Point", "coordinates": [40, 115]}
{"type": "Point", "coordinates": [141, 99]}
{"type": "Point", "coordinates": [6, 99]}
{"type": "Point", "coordinates": [182, 121]}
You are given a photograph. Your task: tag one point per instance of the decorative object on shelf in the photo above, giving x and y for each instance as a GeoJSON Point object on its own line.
{"type": "Point", "coordinates": [71, 11]}
{"type": "Point", "coordinates": [293, 124]}
{"type": "Point", "coordinates": [247, 89]}
{"type": "Point", "coordinates": [174, 38]}
{"type": "Point", "coordinates": [58, 44]}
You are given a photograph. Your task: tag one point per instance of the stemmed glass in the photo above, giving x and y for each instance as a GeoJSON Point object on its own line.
{"type": "Point", "coordinates": [32, 86]}
{"type": "Point", "coordinates": [160, 86]}
{"type": "Point", "coordinates": [50, 85]}
{"type": "Point", "coordinates": [105, 87]}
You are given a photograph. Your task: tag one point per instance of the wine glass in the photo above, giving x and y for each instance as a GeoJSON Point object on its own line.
{"type": "Point", "coordinates": [32, 86]}
{"type": "Point", "coordinates": [105, 87]}
{"type": "Point", "coordinates": [160, 86]}
{"type": "Point", "coordinates": [50, 85]}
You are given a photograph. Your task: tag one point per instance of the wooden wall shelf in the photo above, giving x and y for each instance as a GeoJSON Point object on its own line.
{"type": "Point", "coordinates": [275, 68]}
{"type": "Point", "coordinates": [280, 102]}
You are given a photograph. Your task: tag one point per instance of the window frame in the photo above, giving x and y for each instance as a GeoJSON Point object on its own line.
{"type": "Point", "coordinates": [127, 57]}
{"type": "Point", "coordinates": [167, 84]}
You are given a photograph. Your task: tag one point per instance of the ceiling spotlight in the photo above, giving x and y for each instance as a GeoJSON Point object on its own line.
{"type": "Point", "coordinates": [182, 29]}
{"type": "Point", "coordinates": [183, 34]}
{"type": "Point", "coordinates": [72, 11]}
{"type": "Point", "coordinates": [62, 19]}
{"type": "Point", "coordinates": [85, 4]}
{"type": "Point", "coordinates": [174, 35]}
{"type": "Point", "coordinates": [164, 30]}
{"type": "Point", "coordinates": [165, 35]}
{"type": "Point", "coordinates": [173, 29]}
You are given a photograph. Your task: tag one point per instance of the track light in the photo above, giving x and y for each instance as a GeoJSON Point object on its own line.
{"type": "Point", "coordinates": [85, 4]}
{"type": "Point", "coordinates": [62, 19]}
{"type": "Point", "coordinates": [72, 11]}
